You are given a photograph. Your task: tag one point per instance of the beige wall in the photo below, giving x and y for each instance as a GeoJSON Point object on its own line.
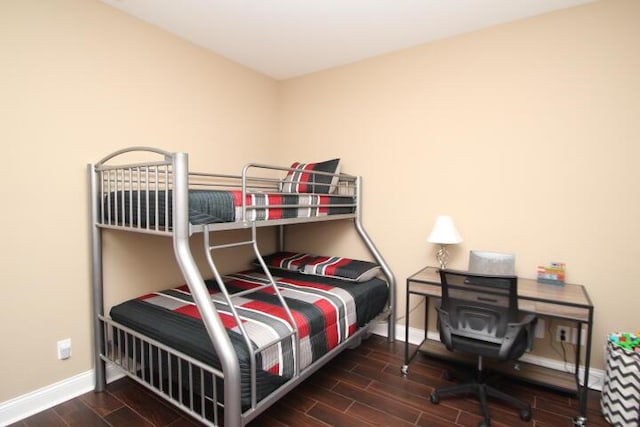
{"type": "Point", "coordinates": [79, 80]}
{"type": "Point", "coordinates": [527, 134]}
{"type": "Point", "coordinates": [521, 132]}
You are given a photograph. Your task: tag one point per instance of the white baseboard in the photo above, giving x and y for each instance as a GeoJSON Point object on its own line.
{"type": "Point", "coordinates": [36, 401]}
{"type": "Point", "coordinates": [596, 376]}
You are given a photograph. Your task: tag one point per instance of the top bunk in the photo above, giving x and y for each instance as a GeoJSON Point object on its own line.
{"type": "Point", "coordinates": [148, 190]}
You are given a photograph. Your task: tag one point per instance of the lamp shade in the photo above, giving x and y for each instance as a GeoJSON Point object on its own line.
{"type": "Point", "coordinates": [444, 232]}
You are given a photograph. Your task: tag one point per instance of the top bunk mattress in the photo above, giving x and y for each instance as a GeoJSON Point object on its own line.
{"type": "Point", "coordinates": [154, 208]}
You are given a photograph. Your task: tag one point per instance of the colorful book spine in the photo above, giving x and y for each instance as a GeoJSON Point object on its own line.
{"type": "Point", "coordinates": [552, 274]}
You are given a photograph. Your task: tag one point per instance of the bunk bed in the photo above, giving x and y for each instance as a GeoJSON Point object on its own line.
{"type": "Point", "coordinates": [225, 347]}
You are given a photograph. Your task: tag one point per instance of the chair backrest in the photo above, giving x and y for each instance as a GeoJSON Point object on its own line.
{"type": "Point", "coordinates": [479, 305]}
{"type": "Point", "coordinates": [486, 262]}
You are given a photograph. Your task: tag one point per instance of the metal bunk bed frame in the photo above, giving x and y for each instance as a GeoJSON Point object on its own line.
{"type": "Point", "coordinates": [146, 360]}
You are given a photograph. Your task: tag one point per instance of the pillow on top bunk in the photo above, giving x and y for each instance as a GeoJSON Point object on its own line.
{"type": "Point", "coordinates": [303, 180]}
{"type": "Point", "coordinates": [337, 267]}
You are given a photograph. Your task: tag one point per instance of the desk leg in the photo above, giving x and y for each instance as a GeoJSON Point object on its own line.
{"type": "Point", "coordinates": [405, 367]}
{"type": "Point", "coordinates": [583, 392]}
{"type": "Point", "coordinates": [426, 320]}
{"type": "Point", "coordinates": [409, 357]}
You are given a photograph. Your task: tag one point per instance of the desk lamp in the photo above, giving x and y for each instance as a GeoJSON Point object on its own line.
{"type": "Point", "coordinates": [444, 233]}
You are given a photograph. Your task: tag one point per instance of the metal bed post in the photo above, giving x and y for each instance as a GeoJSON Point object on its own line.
{"type": "Point", "coordinates": [391, 325]}
{"type": "Point", "coordinates": [97, 284]}
{"type": "Point", "coordinates": [215, 328]}
{"type": "Point", "coordinates": [281, 238]}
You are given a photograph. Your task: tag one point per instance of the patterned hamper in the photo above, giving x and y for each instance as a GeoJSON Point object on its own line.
{"type": "Point", "coordinates": [620, 400]}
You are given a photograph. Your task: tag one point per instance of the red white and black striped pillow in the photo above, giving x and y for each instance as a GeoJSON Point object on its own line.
{"type": "Point", "coordinates": [337, 267]}
{"type": "Point", "coordinates": [292, 261]}
{"type": "Point", "coordinates": [304, 179]}
{"type": "Point", "coordinates": [341, 268]}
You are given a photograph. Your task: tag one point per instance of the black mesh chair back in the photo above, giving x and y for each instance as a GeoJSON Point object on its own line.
{"type": "Point", "coordinates": [479, 309]}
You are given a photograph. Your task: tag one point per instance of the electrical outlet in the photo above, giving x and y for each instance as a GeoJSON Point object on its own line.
{"type": "Point", "coordinates": [563, 334]}
{"type": "Point", "coordinates": [64, 349]}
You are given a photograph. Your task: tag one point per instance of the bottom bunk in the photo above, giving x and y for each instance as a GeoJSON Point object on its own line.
{"type": "Point", "coordinates": [160, 340]}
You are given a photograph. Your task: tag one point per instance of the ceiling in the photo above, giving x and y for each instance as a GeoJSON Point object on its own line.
{"type": "Point", "coordinates": [289, 38]}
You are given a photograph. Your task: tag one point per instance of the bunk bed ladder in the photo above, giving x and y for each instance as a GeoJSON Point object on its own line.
{"type": "Point", "coordinates": [270, 283]}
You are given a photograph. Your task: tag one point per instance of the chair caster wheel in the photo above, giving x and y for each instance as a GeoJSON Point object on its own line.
{"type": "Point", "coordinates": [579, 421]}
{"type": "Point", "coordinates": [434, 398]}
{"type": "Point", "coordinates": [485, 423]}
{"type": "Point", "coordinates": [525, 414]}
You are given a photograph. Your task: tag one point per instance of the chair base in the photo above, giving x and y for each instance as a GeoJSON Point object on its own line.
{"type": "Point", "coordinates": [483, 391]}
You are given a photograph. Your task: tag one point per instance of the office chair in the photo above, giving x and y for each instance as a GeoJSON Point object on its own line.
{"type": "Point", "coordinates": [479, 315]}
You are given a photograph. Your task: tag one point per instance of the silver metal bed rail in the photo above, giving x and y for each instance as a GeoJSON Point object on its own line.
{"type": "Point", "coordinates": [188, 383]}
{"type": "Point", "coordinates": [138, 196]}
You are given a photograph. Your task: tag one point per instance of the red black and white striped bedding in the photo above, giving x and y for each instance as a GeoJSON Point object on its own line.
{"type": "Point", "coordinates": [327, 311]}
{"type": "Point", "coordinates": [214, 206]}
{"type": "Point", "coordinates": [320, 265]}
{"type": "Point", "coordinates": [306, 205]}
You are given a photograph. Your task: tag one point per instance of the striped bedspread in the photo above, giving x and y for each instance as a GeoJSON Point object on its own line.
{"type": "Point", "coordinates": [145, 208]}
{"type": "Point", "coordinates": [326, 311]}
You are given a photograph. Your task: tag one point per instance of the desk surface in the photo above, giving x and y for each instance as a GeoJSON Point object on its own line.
{"type": "Point", "coordinates": [568, 301]}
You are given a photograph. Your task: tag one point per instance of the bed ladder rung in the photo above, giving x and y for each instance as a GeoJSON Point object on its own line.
{"type": "Point", "coordinates": [275, 341]}
{"type": "Point", "coordinates": [231, 245]}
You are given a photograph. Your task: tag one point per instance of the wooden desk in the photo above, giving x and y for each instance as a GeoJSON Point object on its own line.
{"type": "Point", "coordinates": [568, 302]}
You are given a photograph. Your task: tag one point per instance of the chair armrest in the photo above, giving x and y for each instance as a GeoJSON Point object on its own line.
{"type": "Point", "coordinates": [530, 322]}
{"type": "Point", "coordinates": [514, 330]}
{"type": "Point", "coordinates": [444, 326]}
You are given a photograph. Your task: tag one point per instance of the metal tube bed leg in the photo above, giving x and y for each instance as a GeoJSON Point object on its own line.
{"type": "Point", "coordinates": [215, 328]}
{"type": "Point", "coordinates": [379, 258]}
{"type": "Point", "coordinates": [96, 279]}
{"type": "Point", "coordinates": [281, 240]}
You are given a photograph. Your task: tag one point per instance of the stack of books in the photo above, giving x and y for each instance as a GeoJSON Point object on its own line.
{"type": "Point", "coordinates": [553, 273]}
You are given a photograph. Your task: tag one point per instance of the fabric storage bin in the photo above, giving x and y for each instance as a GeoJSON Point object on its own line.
{"type": "Point", "coordinates": [620, 401]}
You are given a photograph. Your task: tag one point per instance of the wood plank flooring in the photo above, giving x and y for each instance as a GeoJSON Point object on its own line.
{"type": "Point", "coordinates": [361, 387]}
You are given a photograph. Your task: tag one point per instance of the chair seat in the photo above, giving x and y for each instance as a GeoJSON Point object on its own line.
{"type": "Point", "coordinates": [488, 349]}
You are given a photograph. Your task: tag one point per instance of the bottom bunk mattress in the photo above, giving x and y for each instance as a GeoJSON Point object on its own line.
{"type": "Point", "coordinates": [326, 311]}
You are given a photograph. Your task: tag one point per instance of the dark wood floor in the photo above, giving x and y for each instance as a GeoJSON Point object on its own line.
{"type": "Point", "coordinates": [361, 387]}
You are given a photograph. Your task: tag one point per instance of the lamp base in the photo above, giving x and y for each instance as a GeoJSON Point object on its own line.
{"type": "Point", "coordinates": [442, 256]}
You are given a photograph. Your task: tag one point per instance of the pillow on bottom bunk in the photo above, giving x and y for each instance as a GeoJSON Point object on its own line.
{"type": "Point", "coordinates": [342, 268]}
{"type": "Point", "coordinates": [339, 267]}
{"type": "Point", "coordinates": [291, 261]}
